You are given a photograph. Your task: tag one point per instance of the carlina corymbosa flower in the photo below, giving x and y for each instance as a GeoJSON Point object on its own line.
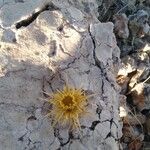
{"type": "Point", "coordinates": [68, 105]}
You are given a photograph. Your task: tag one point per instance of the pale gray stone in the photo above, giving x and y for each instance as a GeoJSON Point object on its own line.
{"type": "Point", "coordinates": [65, 43]}
{"type": "Point", "coordinates": [8, 36]}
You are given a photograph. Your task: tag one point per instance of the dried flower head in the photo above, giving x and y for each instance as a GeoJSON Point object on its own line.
{"type": "Point", "coordinates": [68, 105]}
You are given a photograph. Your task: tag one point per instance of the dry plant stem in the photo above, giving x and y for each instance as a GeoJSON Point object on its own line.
{"type": "Point", "coordinates": [146, 80]}
{"type": "Point", "coordinates": [134, 115]}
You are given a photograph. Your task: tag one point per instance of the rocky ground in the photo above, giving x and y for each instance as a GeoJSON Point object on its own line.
{"type": "Point", "coordinates": [48, 43]}
{"type": "Point", "coordinates": [132, 29]}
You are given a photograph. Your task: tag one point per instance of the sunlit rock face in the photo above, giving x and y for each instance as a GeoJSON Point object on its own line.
{"type": "Point", "coordinates": [44, 46]}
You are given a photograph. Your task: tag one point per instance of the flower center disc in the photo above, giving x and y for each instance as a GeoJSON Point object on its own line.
{"type": "Point", "coordinates": [68, 101]}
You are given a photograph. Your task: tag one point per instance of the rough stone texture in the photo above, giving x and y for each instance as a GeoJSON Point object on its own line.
{"type": "Point", "coordinates": [132, 29]}
{"type": "Point", "coordinates": [43, 44]}
{"type": "Point", "coordinates": [121, 26]}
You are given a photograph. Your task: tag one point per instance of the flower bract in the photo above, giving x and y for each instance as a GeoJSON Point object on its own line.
{"type": "Point", "coordinates": [68, 105]}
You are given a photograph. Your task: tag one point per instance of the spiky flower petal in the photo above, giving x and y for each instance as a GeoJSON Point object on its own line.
{"type": "Point", "coordinates": [68, 105]}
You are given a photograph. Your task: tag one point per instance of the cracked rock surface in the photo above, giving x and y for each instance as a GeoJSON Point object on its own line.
{"type": "Point", "coordinates": [42, 44]}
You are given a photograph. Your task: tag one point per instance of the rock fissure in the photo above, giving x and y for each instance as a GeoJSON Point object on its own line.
{"type": "Point", "coordinates": [32, 17]}
{"type": "Point", "coordinates": [58, 37]}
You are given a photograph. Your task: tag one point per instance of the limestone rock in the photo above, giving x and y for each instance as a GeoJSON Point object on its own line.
{"type": "Point", "coordinates": [45, 45]}
{"type": "Point", "coordinates": [10, 8]}
{"type": "Point", "coordinates": [132, 29]}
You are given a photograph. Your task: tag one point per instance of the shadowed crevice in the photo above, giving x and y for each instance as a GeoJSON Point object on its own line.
{"type": "Point", "coordinates": [30, 19]}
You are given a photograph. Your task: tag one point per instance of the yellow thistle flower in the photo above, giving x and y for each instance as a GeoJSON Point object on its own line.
{"type": "Point", "coordinates": [68, 105]}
